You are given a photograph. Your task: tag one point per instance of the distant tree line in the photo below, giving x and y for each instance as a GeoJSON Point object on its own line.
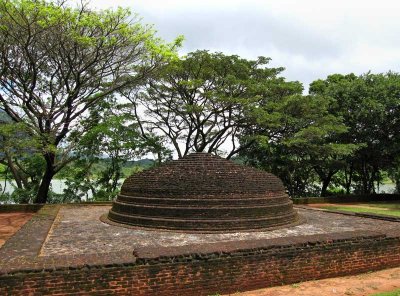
{"type": "Point", "coordinates": [83, 92]}
{"type": "Point", "coordinates": [353, 155]}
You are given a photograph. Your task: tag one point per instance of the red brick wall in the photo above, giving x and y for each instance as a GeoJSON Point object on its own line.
{"type": "Point", "coordinates": [219, 272]}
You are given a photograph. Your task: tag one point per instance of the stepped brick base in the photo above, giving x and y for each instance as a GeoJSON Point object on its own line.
{"type": "Point", "coordinates": [204, 193]}
{"type": "Point", "coordinates": [223, 268]}
{"type": "Point", "coordinates": [39, 259]}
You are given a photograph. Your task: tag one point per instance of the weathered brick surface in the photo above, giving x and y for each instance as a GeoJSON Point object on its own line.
{"type": "Point", "coordinates": [225, 268]}
{"type": "Point", "coordinates": [200, 174]}
{"type": "Point", "coordinates": [197, 269]}
{"type": "Point", "coordinates": [202, 192]}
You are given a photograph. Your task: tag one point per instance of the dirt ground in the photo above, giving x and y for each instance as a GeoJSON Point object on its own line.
{"type": "Point", "coordinates": [359, 285]}
{"type": "Point", "coordinates": [10, 223]}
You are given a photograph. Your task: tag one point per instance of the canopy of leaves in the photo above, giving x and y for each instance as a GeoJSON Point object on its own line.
{"type": "Point", "coordinates": [370, 107]}
{"type": "Point", "coordinates": [199, 102]}
{"type": "Point", "coordinates": [57, 62]}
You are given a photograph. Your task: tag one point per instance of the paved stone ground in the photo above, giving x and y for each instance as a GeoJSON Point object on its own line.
{"type": "Point", "coordinates": [10, 223]}
{"type": "Point", "coordinates": [78, 230]}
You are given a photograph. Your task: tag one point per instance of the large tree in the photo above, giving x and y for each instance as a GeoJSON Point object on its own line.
{"type": "Point", "coordinates": [293, 140]}
{"type": "Point", "coordinates": [370, 108]}
{"type": "Point", "coordinates": [199, 102]}
{"type": "Point", "coordinates": [18, 154]}
{"type": "Point", "coordinates": [56, 62]}
{"type": "Point", "coordinates": [113, 140]}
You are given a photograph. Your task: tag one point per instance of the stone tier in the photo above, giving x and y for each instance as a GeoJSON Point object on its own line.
{"type": "Point", "coordinates": [262, 199]}
{"type": "Point", "coordinates": [203, 212]}
{"type": "Point", "coordinates": [205, 225]}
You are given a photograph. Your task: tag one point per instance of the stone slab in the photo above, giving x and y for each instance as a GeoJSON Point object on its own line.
{"type": "Point", "coordinates": [78, 230]}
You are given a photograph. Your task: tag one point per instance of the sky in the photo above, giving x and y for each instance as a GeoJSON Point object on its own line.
{"type": "Point", "coordinates": [310, 39]}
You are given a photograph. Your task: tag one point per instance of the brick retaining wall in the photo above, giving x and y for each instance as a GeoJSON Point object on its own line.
{"type": "Point", "coordinates": [22, 208]}
{"type": "Point", "coordinates": [213, 268]}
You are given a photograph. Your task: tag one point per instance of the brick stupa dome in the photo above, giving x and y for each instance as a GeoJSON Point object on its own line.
{"type": "Point", "coordinates": [202, 192]}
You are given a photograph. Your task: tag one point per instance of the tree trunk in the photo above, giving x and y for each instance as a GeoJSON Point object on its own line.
{"type": "Point", "coordinates": [325, 183]}
{"type": "Point", "coordinates": [14, 171]}
{"type": "Point", "coordinates": [18, 175]}
{"type": "Point", "coordinates": [365, 179]}
{"type": "Point", "coordinates": [43, 192]}
{"type": "Point", "coordinates": [371, 185]}
{"type": "Point", "coordinates": [349, 177]}
{"type": "Point", "coordinates": [325, 178]}
{"type": "Point", "coordinates": [159, 157]}
{"type": "Point", "coordinates": [324, 187]}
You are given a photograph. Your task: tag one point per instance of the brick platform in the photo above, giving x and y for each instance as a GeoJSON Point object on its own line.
{"type": "Point", "coordinates": [67, 250]}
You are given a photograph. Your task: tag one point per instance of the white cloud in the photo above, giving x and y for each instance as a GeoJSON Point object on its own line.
{"type": "Point", "coordinates": [310, 38]}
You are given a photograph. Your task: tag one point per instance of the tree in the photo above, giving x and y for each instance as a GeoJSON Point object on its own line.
{"type": "Point", "coordinates": [394, 174]}
{"type": "Point", "coordinates": [370, 107]}
{"type": "Point", "coordinates": [19, 154]}
{"type": "Point", "coordinates": [57, 62]}
{"type": "Point", "coordinates": [293, 134]}
{"type": "Point", "coordinates": [198, 103]}
{"type": "Point", "coordinates": [113, 140]}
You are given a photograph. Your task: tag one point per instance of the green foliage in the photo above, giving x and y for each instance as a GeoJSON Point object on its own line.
{"type": "Point", "coordinates": [102, 153]}
{"type": "Point", "coordinates": [3, 169]}
{"type": "Point", "coordinates": [346, 132]}
{"type": "Point", "coordinates": [78, 180]}
{"type": "Point", "coordinates": [370, 108]}
{"type": "Point", "coordinates": [21, 161]}
{"type": "Point", "coordinates": [88, 28]}
{"type": "Point", "coordinates": [394, 174]}
{"type": "Point", "coordinates": [294, 135]}
{"type": "Point", "coordinates": [57, 64]}
{"type": "Point", "coordinates": [61, 68]}
{"type": "Point", "coordinates": [199, 102]}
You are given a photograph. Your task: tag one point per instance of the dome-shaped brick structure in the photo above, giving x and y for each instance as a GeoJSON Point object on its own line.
{"type": "Point", "coordinates": [206, 193]}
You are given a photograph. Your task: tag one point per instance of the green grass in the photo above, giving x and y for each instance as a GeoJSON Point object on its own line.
{"type": "Point", "coordinates": [392, 293]}
{"type": "Point", "coordinates": [355, 209]}
{"type": "Point", "coordinates": [385, 205]}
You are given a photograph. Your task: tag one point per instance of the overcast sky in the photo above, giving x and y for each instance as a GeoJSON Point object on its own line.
{"type": "Point", "coordinates": [311, 39]}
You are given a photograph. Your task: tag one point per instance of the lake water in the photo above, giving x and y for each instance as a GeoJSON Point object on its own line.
{"type": "Point", "coordinates": [56, 185]}
{"type": "Point", "coordinates": [59, 185]}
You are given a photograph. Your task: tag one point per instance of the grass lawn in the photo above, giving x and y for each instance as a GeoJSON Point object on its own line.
{"type": "Point", "coordinates": [392, 293]}
{"type": "Point", "coordinates": [391, 209]}
{"type": "Point", "coordinates": [385, 205]}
